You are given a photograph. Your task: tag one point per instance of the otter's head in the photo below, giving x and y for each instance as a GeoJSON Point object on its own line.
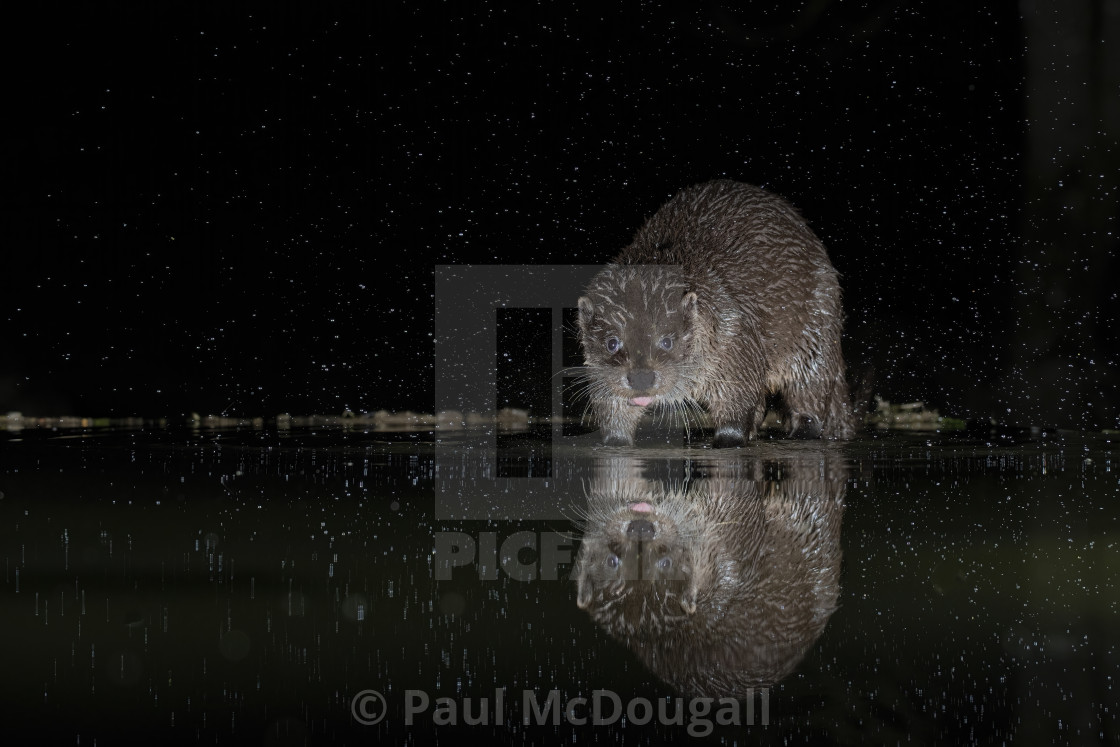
{"type": "Point", "coordinates": [637, 327]}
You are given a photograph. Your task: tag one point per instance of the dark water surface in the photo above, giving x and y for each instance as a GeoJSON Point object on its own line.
{"type": "Point", "coordinates": [250, 587]}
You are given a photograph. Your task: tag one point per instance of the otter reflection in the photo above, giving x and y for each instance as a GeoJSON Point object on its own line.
{"type": "Point", "coordinates": [718, 584]}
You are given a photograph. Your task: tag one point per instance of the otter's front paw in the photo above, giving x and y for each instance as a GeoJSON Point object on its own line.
{"type": "Point", "coordinates": [727, 438]}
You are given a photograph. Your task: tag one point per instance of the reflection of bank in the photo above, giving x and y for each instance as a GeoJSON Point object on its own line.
{"type": "Point", "coordinates": [720, 584]}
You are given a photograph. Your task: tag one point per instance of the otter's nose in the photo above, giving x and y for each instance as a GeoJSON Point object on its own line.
{"type": "Point", "coordinates": [640, 529]}
{"type": "Point", "coordinates": [641, 378]}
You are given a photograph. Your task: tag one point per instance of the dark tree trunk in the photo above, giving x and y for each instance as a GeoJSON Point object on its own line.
{"type": "Point", "coordinates": [1064, 369]}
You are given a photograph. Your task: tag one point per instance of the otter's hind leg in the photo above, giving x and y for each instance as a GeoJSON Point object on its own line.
{"type": "Point", "coordinates": [818, 409]}
{"type": "Point", "coordinates": [840, 420]}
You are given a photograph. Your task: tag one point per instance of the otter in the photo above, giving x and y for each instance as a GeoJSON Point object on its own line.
{"type": "Point", "coordinates": [721, 585]}
{"type": "Point", "coordinates": [724, 298]}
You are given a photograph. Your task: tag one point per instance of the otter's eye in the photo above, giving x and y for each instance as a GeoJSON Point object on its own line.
{"type": "Point", "coordinates": [613, 344]}
{"type": "Point", "coordinates": [665, 343]}
{"type": "Point", "coordinates": [665, 563]}
{"type": "Point", "coordinates": [613, 561]}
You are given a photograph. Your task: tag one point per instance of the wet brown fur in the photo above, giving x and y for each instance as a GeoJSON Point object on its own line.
{"type": "Point", "coordinates": [745, 292]}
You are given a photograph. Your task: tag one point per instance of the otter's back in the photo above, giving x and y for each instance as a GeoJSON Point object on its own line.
{"type": "Point", "coordinates": [732, 234]}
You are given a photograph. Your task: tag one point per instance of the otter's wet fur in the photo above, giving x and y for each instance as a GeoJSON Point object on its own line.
{"type": "Point", "coordinates": [730, 586]}
{"type": "Point", "coordinates": [724, 298]}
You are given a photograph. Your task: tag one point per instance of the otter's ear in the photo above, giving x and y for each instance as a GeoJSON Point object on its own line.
{"type": "Point", "coordinates": [583, 591]}
{"type": "Point", "coordinates": [689, 304]}
{"type": "Point", "coordinates": [586, 312]}
{"type": "Point", "coordinates": [688, 598]}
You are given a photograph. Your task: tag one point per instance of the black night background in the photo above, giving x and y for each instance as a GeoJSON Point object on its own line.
{"type": "Point", "coordinates": [222, 208]}
{"type": "Point", "coordinates": [226, 234]}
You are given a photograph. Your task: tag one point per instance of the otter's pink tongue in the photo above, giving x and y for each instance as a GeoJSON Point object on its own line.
{"type": "Point", "coordinates": [641, 507]}
{"type": "Point", "coordinates": [641, 401]}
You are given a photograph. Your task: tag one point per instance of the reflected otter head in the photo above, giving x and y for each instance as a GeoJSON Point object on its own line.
{"type": "Point", "coordinates": [718, 586]}
{"type": "Point", "coordinates": [636, 569]}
